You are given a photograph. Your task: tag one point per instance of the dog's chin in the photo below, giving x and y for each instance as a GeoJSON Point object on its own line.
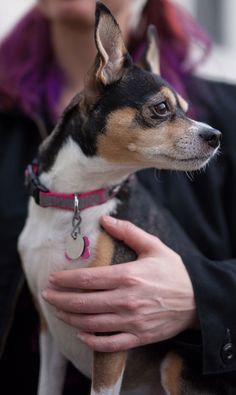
{"type": "Point", "coordinates": [184, 164]}
{"type": "Point", "coordinates": [190, 164]}
{"type": "Point", "coordinates": [185, 161]}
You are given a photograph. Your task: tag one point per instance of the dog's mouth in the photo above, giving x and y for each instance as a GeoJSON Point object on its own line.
{"type": "Point", "coordinates": [193, 158]}
{"type": "Point", "coordinates": [189, 164]}
{"type": "Point", "coordinates": [174, 160]}
{"type": "Point", "coordinates": [197, 158]}
{"type": "Point", "coordinates": [192, 163]}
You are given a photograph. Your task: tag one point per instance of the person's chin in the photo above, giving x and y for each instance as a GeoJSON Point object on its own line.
{"type": "Point", "coordinates": [80, 11]}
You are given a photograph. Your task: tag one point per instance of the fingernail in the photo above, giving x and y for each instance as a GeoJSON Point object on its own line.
{"type": "Point", "coordinates": [109, 220]}
{"type": "Point", "coordinates": [51, 278]}
{"type": "Point", "coordinates": [81, 337]}
{"type": "Point", "coordinates": [45, 294]}
{"type": "Point", "coordinates": [58, 313]}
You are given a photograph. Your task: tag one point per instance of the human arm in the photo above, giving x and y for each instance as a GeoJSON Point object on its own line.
{"type": "Point", "coordinates": [147, 301]}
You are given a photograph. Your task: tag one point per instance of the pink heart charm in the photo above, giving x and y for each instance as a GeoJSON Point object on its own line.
{"type": "Point", "coordinates": [86, 253]}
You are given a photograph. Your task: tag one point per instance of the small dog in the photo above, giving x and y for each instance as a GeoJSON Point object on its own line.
{"type": "Point", "coordinates": [127, 118]}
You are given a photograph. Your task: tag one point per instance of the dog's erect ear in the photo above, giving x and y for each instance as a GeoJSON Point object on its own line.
{"type": "Point", "coordinates": [112, 58]}
{"type": "Point", "coordinates": [151, 59]}
{"type": "Point", "coordinates": [112, 52]}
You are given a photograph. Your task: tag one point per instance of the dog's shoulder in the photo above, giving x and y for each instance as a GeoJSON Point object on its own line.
{"type": "Point", "coordinates": [144, 210]}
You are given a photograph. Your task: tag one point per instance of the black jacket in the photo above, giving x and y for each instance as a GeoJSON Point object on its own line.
{"type": "Point", "coordinates": [203, 205]}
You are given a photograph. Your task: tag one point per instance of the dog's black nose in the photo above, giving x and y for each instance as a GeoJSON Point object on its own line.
{"type": "Point", "coordinates": [211, 136]}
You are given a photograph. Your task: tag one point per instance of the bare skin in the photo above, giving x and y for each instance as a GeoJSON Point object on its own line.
{"type": "Point", "coordinates": [146, 301]}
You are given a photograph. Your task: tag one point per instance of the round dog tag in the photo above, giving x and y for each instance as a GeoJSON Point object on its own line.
{"type": "Point", "coordinates": [74, 247]}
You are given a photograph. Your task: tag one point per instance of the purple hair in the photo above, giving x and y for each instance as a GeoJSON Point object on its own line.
{"type": "Point", "coordinates": [29, 76]}
{"type": "Point", "coordinates": [31, 81]}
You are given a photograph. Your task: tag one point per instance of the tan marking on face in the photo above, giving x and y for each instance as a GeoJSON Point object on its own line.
{"type": "Point", "coordinates": [169, 95]}
{"type": "Point", "coordinates": [113, 144]}
{"type": "Point", "coordinates": [171, 370]}
{"type": "Point", "coordinates": [183, 104]}
{"type": "Point", "coordinates": [107, 369]}
{"type": "Point", "coordinates": [124, 141]}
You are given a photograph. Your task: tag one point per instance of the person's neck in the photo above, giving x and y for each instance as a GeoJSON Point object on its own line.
{"type": "Point", "coordinates": [75, 52]}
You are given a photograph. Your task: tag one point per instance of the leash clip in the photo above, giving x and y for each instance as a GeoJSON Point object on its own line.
{"type": "Point", "coordinates": [76, 245]}
{"type": "Point", "coordinates": [76, 220]}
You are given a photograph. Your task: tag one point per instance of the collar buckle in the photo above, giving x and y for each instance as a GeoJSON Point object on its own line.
{"type": "Point", "coordinates": [32, 182]}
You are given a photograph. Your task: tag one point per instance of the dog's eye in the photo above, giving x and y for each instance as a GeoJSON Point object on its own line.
{"type": "Point", "coordinates": [161, 109]}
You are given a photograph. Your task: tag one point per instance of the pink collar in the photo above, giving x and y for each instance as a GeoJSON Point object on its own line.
{"type": "Point", "coordinates": [45, 198]}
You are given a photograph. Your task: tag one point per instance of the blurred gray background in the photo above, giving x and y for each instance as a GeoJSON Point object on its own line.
{"type": "Point", "coordinates": [218, 17]}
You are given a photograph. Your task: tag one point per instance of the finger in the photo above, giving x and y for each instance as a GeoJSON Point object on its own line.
{"type": "Point", "coordinates": [105, 277]}
{"type": "Point", "coordinates": [113, 343]}
{"type": "Point", "coordinates": [92, 323]}
{"type": "Point", "coordinates": [89, 303]}
{"type": "Point", "coordinates": [136, 238]}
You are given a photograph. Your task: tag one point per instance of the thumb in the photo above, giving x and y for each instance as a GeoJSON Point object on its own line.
{"type": "Point", "coordinates": [136, 238]}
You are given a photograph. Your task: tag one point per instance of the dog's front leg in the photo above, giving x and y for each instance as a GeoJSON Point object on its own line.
{"type": "Point", "coordinates": [52, 366]}
{"type": "Point", "coordinates": [108, 369]}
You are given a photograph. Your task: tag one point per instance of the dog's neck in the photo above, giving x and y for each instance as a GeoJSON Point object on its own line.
{"type": "Point", "coordinates": [73, 171]}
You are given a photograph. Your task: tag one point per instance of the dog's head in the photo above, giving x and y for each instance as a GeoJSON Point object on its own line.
{"type": "Point", "coordinates": [128, 114]}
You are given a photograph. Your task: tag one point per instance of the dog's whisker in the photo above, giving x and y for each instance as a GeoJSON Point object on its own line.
{"type": "Point", "coordinates": [157, 175]}
{"type": "Point", "coordinates": [190, 175]}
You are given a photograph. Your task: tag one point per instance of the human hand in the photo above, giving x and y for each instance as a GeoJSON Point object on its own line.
{"type": "Point", "coordinates": [145, 301]}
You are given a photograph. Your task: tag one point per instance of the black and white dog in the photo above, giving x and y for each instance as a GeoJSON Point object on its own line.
{"type": "Point", "coordinates": [127, 118]}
